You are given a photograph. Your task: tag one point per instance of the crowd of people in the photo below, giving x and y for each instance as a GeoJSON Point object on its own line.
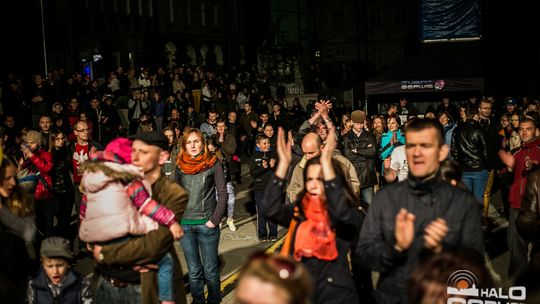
{"type": "Point", "coordinates": [122, 169]}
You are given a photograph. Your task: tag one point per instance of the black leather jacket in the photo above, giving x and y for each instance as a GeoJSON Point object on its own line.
{"type": "Point", "coordinates": [528, 222]}
{"type": "Point", "coordinates": [362, 152]}
{"type": "Point", "coordinates": [469, 146]}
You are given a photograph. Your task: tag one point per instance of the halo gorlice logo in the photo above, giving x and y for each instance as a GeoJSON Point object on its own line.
{"type": "Point", "coordinates": [462, 288]}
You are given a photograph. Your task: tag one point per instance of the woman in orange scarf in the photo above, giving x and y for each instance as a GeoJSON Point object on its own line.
{"type": "Point", "coordinates": [201, 174]}
{"type": "Point", "coordinates": [324, 221]}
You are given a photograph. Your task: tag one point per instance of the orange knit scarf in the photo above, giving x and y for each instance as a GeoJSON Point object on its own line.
{"type": "Point", "coordinates": [315, 237]}
{"type": "Point", "coordinates": [194, 165]}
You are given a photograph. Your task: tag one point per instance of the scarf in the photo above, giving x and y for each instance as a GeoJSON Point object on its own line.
{"type": "Point", "coordinates": [314, 236]}
{"type": "Point", "coordinates": [194, 165]}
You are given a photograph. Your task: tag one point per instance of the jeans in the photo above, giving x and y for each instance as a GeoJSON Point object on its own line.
{"type": "Point", "coordinates": [165, 277]}
{"type": "Point", "coordinates": [230, 200]}
{"type": "Point", "coordinates": [476, 183]}
{"type": "Point", "coordinates": [366, 194]}
{"type": "Point", "coordinates": [106, 293]}
{"type": "Point", "coordinates": [200, 246]}
{"type": "Point", "coordinates": [262, 232]}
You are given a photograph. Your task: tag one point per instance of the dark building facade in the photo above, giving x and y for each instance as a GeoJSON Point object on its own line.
{"type": "Point", "coordinates": [127, 32]}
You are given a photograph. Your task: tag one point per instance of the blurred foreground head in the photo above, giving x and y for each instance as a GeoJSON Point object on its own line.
{"type": "Point", "coordinates": [274, 279]}
{"type": "Point", "coordinates": [429, 280]}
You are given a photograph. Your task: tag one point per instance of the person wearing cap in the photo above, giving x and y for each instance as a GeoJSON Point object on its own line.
{"type": "Point", "coordinates": [511, 105]}
{"type": "Point", "coordinates": [116, 205]}
{"type": "Point", "coordinates": [118, 280]}
{"type": "Point", "coordinates": [360, 148]}
{"type": "Point", "coordinates": [39, 161]}
{"type": "Point", "coordinates": [56, 282]}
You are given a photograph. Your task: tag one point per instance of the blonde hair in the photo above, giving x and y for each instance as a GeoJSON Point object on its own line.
{"type": "Point", "coordinates": [19, 202]}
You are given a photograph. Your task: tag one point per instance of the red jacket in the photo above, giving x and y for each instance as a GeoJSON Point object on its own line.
{"type": "Point", "coordinates": [517, 190]}
{"type": "Point", "coordinates": [41, 161]}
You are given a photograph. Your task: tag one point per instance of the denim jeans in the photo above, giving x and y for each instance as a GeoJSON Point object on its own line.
{"type": "Point", "coordinates": [165, 278]}
{"type": "Point", "coordinates": [476, 183]}
{"type": "Point", "coordinates": [106, 293]}
{"type": "Point", "coordinates": [231, 200]}
{"type": "Point", "coordinates": [200, 246]}
{"type": "Point", "coordinates": [366, 194]}
{"type": "Point", "coordinates": [262, 232]}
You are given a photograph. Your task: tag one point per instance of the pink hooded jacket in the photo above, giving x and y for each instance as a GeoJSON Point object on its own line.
{"type": "Point", "coordinates": [110, 213]}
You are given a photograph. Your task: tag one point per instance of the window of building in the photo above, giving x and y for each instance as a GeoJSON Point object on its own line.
{"type": "Point", "coordinates": [139, 8]}
{"type": "Point", "coordinates": [376, 17]}
{"type": "Point", "coordinates": [150, 8]}
{"type": "Point", "coordinates": [400, 15]}
{"type": "Point", "coordinates": [171, 11]}
{"type": "Point", "coordinates": [188, 11]}
{"type": "Point", "coordinates": [203, 14]}
{"type": "Point", "coordinates": [337, 20]}
{"type": "Point", "coordinates": [216, 17]}
{"type": "Point", "coordinates": [235, 8]}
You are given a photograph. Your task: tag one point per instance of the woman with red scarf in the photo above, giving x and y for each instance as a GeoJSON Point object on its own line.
{"type": "Point", "coordinates": [201, 174]}
{"type": "Point", "coordinates": [323, 222]}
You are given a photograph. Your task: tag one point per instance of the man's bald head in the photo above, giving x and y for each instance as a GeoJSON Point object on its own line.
{"type": "Point", "coordinates": [311, 145]}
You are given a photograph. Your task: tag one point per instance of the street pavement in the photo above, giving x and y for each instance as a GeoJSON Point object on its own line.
{"type": "Point", "coordinates": [236, 247]}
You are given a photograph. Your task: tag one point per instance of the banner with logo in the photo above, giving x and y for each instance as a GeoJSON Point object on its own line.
{"type": "Point", "coordinates": [426, 85]}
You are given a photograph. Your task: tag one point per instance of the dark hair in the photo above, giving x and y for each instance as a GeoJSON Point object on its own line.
{"type": "Point", "coordinates": [450, 170]}
{"type": "Point", "coordinates": [396, 117]}
{"type": "Point", "coordinates": [528, 119]}
{"type": "Point", "coordinates": [471, 110]}
{"type": "Point", "coordinates": [431, 275]}
{"type": "Point", "coordinates": [444, 112]}
{"type": "Point", "coordinates": [420, 124]}
{"type": "Point", "coordinates": [340, 172]}
{"type": "Point", "coordinates": [52, 139]}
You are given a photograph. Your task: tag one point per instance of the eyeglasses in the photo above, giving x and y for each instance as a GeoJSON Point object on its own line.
{"type": "Point", "coordinates": [83, 130]}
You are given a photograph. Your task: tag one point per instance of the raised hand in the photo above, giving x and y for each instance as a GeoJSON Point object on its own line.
{"type": "Point", "coordinates": [387, 163]}
{"type": "Point", "coordinates": [404, 231]}
{"type": "Point", "coordinates": [434, 234]}
{"type": "Point", "coordinates": [507, 158]}
{"type": "Point", "coordinates": [327, 152]}
{"type": "Point", "coordinates": [284, 152]}
{"type": "Point", "coordinates": [283, 148]}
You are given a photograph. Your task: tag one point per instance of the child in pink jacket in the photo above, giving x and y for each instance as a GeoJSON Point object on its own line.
{"type": "Point", "coordinates": [117, 204]}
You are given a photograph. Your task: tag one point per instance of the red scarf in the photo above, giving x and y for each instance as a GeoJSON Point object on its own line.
{"type": "Point", "coordinates": [314, 236]}
{"type": "Point", "coordinates": [194, 165]}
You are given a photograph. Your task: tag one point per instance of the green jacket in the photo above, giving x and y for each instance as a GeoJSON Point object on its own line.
{"type": "Point", "coordinates": [152, 246]}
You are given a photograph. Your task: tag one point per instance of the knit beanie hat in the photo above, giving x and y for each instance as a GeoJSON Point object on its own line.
{"type": "Point", "coordinates": [117, 151]}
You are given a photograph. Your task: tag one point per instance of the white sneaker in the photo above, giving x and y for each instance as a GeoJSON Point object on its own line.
{"type": "Point", "coordinates": [230, 223]}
